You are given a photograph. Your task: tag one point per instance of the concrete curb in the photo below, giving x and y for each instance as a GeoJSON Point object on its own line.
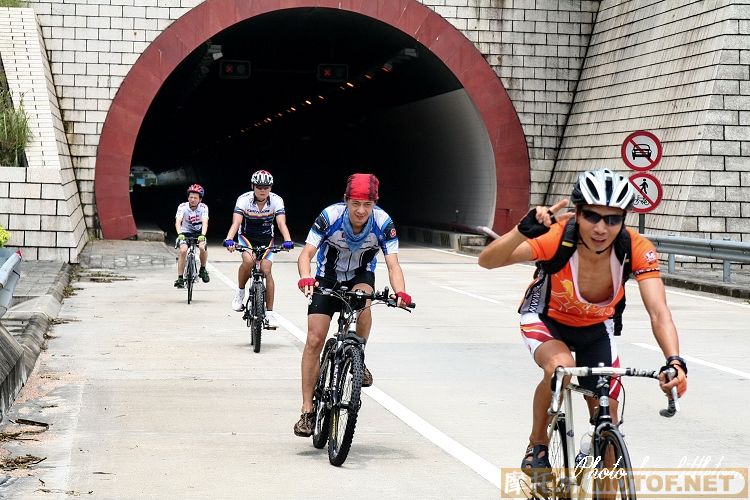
{"type": "Point", "coordinates": [718, 288]}
{"type": "Point", "coordinates": [38, 314]}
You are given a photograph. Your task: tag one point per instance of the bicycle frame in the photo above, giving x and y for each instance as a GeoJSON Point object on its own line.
{"type": "Point", "coordinates": [601, 421]}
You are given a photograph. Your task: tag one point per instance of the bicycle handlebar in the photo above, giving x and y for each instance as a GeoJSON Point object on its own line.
{"type": "Point", "coordinates": [260, 250]}
{"type": "Point", "coordinates": [584, 371]}
{"type": "Point", "coordinates": [382, 296]}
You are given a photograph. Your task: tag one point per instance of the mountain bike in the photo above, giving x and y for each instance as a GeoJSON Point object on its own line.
{"type": "Point", "coordinates": [191, 268]}
{"type": "Point", "coordinates": [255, 304]}
{"type": "Point", "coordinates": [336, 399]}
{"type": "Point", "coordinates": [568, 479]}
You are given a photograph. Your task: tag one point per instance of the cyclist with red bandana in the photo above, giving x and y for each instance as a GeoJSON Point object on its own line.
{"type": "Point", "coordinates": [191, 221]}
{"type": "Point", "coordinates": [344, 240]}
{"type": "Point", "coordinates": [252, 222]}
{"type": "Point", "coordinates": [577, 308]}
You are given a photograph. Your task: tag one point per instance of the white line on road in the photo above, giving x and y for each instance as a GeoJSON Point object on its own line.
{"type": "Point", "coordinates": [487, 470]}
{"type": "Point", "coordinates": [449, 252]}
{"type": "Point", "coordinates": [473, 295]}
{"type": "Point", "coordinates": [699, 361]}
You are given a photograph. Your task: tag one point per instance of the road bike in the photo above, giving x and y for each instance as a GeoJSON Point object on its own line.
{"type": "Point", "coordinates": [607, 472]}
{"type": "Point", "coordinates": [255, 304]}
{"type": "Point", "coordinates": [190, 274]}
{"type": "Point", "coordinates": [336, 399]}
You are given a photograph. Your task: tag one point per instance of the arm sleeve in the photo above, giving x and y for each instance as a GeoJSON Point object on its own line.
{"type": "Point", "coordinates": [645, 259]}
{"type": "Point", "coordinates": [318, 230]}
{"type": "Point", "coordinates": [389, 239]}
{"type": "Point", "coordinates": [280, 209]}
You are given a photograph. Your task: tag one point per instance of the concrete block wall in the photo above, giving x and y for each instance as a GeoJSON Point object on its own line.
{"type": "Point", "coordinates": [40, 204]}
{"type": "Point", "coordinates": [679, 70]}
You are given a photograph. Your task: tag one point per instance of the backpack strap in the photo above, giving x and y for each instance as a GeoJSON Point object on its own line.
{"type": "Point", "coordinates": [565, 250]}
{"type": "Point", "coordinates": [624, 252]}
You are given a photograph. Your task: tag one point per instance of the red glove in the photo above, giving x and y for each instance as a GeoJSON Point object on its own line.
{"type": "Point", "coordinates": [303, 282]}
{"type": "Point", "coordinates": [405, 297]}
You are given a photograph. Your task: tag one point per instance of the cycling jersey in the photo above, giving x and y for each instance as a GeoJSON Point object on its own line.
{"type": "Point", "coordinates": [192, 220]}
{"type": "Point", "coordinates": [257, 223]}
{"type": "Point", "coordinates": [334, 258]}
{"type": "Point", "coordinates": [566, 305]}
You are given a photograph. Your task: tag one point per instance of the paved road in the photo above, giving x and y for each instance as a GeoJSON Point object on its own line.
{"type": "Point", "coordinates": [147, 396]}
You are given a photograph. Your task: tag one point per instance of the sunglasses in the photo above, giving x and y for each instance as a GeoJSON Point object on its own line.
{"type": "Point", "coordinates": [610, 220]}
{"type": "Point", "coordinates": [258, 186]}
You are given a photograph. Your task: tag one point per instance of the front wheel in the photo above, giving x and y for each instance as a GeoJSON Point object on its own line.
{"type": "Point", "coordinates": [344, 412]}
{"type": "Point", "coordinates": [615, 472]}
{"type": "Point", "coordinates": [322, 396]}
{"type": "Point", "coordinates": [190, 276]}
{"type": "Point", "coordinates": [258, 315]}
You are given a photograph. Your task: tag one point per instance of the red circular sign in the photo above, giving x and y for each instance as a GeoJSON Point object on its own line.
{"type": "Point", "coordinates": [641, 150]}
{"type": "Point", "coordinates": [648, 192]}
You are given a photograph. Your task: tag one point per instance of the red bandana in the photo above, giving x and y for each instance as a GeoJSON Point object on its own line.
{"type": "Point", "coordinates": [362, 187]}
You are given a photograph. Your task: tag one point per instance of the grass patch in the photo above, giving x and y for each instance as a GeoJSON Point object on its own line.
{"type": "Point", "coordinates": [15, 133]}
{"type": "Point", "coordinates": [13, 3]}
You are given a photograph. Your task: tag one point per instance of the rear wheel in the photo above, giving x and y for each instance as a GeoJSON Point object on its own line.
{"type": "Point", "coordinates": [321, 397]}
{"type": "Point", "coordinates": [258, 315]}
{"type": "Point", "coordinates": [613, 460]}
{"type": "Point", "coordinates": [190, 275]}
{"type": "Point", "coordinates": [344, 414]}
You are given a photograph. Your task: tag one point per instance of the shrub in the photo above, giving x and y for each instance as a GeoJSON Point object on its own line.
{"type": "Point", "coordinates": [12, 3]}
{"type": "Point", "coordinates": [15, 133]}
{"type": "Point", "coordinates": [4, 235]}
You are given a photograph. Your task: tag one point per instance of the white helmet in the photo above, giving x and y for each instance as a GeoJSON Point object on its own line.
{"type": "Point", "coordinates": [603, 187]}
{"type": "Point", "coordinates": [262, 178]}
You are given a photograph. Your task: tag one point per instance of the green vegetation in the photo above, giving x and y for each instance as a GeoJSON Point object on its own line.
{"type": "Point", "coordinates": [15, 133]}
{"type": "Point", "coordinates": [12, 3]}
{"type": "Point", "coordinates": [4, 236]}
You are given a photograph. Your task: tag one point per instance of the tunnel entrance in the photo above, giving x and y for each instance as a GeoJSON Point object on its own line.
{"type": "Point", "coordinates": [322, 93]}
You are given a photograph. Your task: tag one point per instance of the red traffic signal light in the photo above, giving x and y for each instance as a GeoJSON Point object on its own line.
{"type": "Point", "coordinates": [234, 70]}
{"type": "Point", "coordinates": [334, 73]}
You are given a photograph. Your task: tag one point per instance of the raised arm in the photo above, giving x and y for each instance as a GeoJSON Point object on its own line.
{"type": "Point", "coordinates": [512, 248]}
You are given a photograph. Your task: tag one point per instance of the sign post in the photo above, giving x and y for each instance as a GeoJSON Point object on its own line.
{"type": "Point", "coordinates": [641, 151]}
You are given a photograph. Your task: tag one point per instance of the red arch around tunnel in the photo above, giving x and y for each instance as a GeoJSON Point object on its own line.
{"type": "Point", "coordinates": [130, 105]}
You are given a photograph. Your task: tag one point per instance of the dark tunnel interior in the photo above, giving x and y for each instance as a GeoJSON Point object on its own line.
{"type": "Point", "coordinates": [389, 115]}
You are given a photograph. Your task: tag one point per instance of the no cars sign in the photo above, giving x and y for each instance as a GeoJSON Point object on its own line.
{"type": "Point", "coordinates": [641, 150]}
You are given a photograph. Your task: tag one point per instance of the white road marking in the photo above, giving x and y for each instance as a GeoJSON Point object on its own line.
{"type": "Point", "coordinates": [487, 470]}
{"type": "Point", "coordinates": [473, 295]}
{"type": "Point", "coordinates": [699, 361]}
{"type": "Point", "coordinates": [451, 252]}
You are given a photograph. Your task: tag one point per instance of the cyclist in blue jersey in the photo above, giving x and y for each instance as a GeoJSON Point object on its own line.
{"type": "Point", "coordinates": [191, 221]}
{"type": "Point", "coordinates": [252, 222]}
{"type": "Point", "coordinates": [344, 240]}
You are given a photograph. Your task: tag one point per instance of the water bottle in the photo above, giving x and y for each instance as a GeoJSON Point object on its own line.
{"type": "Point", "coordinates": [585, 449]}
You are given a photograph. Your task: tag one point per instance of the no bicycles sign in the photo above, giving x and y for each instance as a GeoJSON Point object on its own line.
{"type": "Point", "coordinates": [648, 192]}
{"type": "Point", "coordinates": [641, 150]}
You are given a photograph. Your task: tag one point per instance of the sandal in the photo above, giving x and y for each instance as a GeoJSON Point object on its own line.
{"type": "Point", "coordinates": [537, 457]}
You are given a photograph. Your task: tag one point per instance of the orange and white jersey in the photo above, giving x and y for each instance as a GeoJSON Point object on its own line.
{"type": "Point", "coordinates": [558, 295]}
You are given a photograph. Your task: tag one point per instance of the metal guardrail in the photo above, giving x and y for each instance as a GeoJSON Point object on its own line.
{"type": "Point", "coordinates": [10, 273]}
{"type": "Point", "coordinates": [724, 250]}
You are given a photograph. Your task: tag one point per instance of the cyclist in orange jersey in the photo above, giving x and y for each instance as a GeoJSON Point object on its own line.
{"type": "Point", "coordinates": [577, 307]}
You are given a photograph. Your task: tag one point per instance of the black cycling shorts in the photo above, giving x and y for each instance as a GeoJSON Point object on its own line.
{"type": "Point", "coordinates": [325, 304]}
{"type": "Point", "coordinates": [592, 345]}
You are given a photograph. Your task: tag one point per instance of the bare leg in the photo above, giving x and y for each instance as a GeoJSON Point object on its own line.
{"type": "Point", "coordinates": [317, 329]}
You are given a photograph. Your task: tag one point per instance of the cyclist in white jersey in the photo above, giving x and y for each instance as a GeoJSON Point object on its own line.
{"type": "Point", "coordinates": [252, 222]}
{"type": "Point", "coordinates": [346, 238]}
{"type": "Point", "coordinates": [191, 221]}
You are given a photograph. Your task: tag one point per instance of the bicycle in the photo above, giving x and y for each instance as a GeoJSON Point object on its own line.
{"type": "Point", "coordinates": [255, 305]}
{"type": "Point", "coordinates": [190, 274]}
{"type": "Point", "coordinates": [567, 479]}
{"type": "Point", "coordinates": [336, 399]}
